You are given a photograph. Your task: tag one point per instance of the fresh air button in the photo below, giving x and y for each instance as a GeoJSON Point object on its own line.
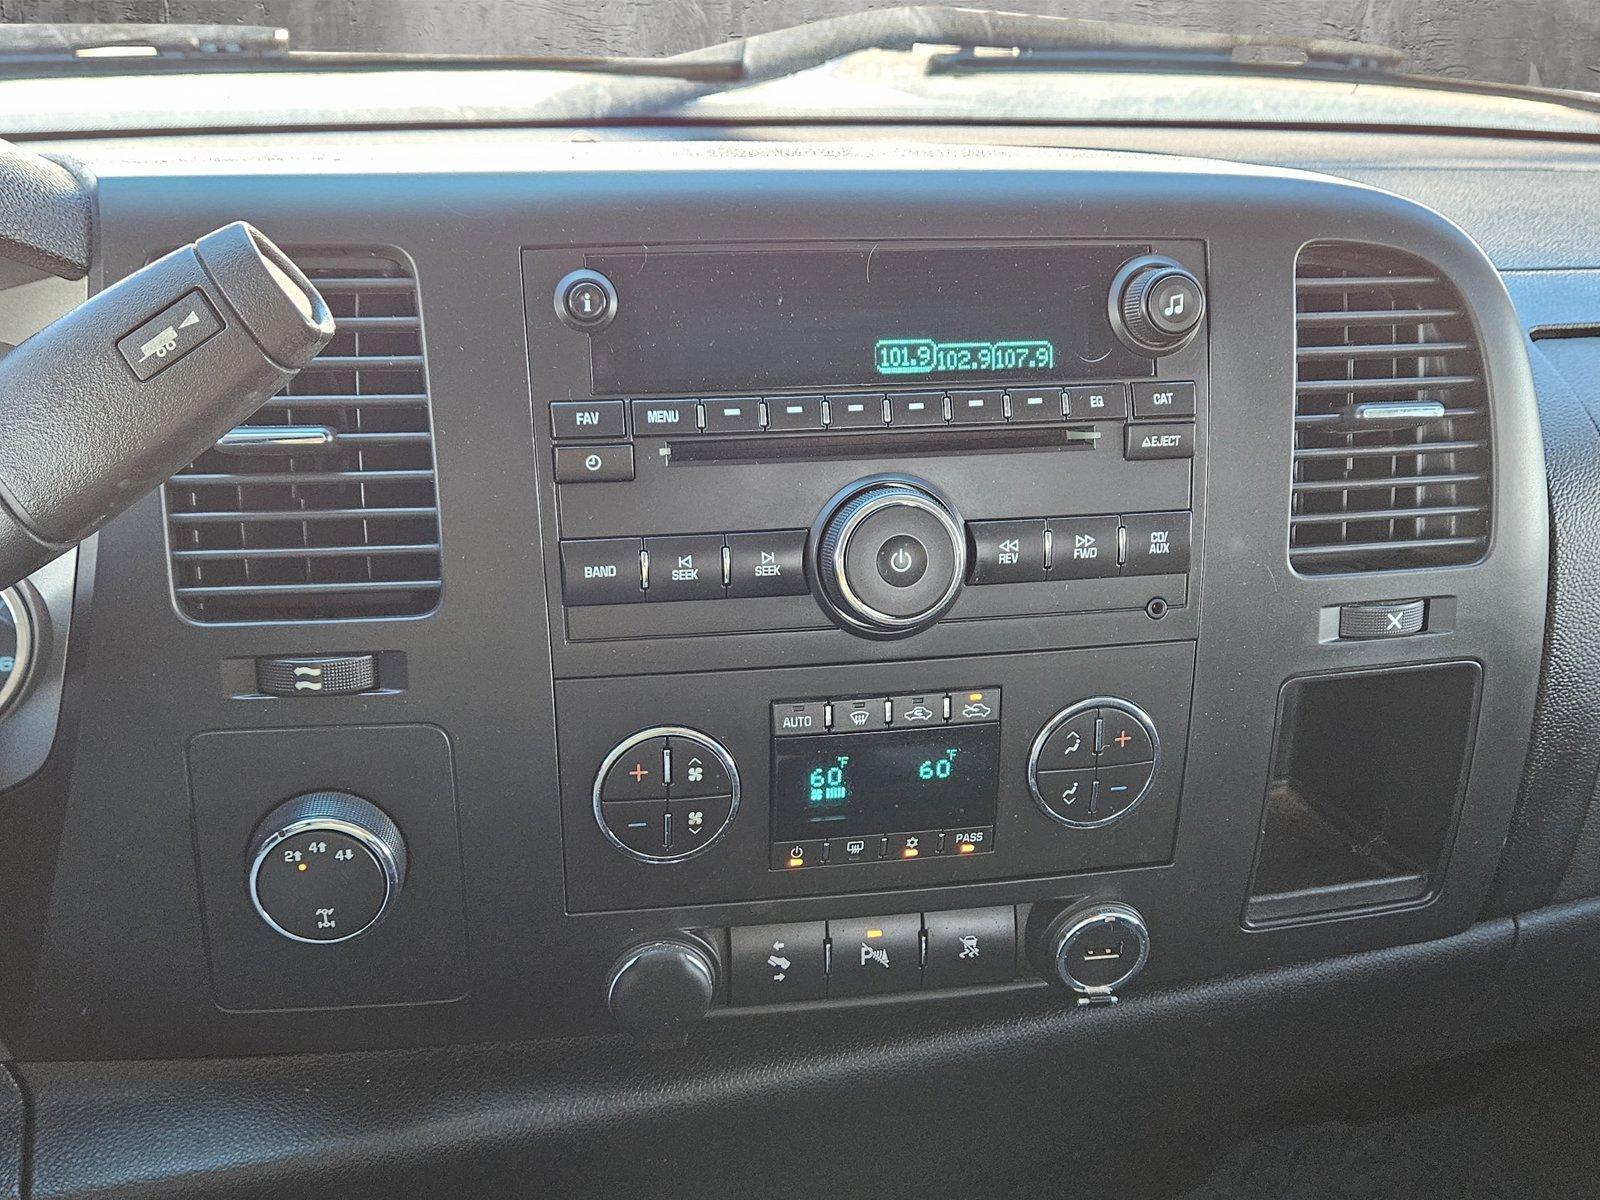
{"type": "Point", "coordinates": [794, 412]}
{"type": "Point", "coordinates": [733, 415]}
{"type": "Point", "coordinates": [855, 412]}
{"type": "Point", "coordinates": [169, 335]}
{"type": "Point", "coordinates": [851, 715]}
{"type": "Point", "coordinates": [773, 964]}
{"type": "Point", "coordinates": [1083, 547]}
{"type": "Point", "coordinates": [660, 417]}
{"type": "Point", "coordinates": [601, 571]}
{"type": "Point", "coordinates": [640, 774]}
{"type": "Point", "coordinates": [977, 408]}
{"type": "Point", "coordinates": [684, 568]}
{"type": "Point", "coordinates": [587, 419]}
{"type": "Point", "coordinates": [594, 464]}
{"type": "Point", "coordinates": [1158, 543]}
{"type": "Point", "coordinates": [917, 710]}
{"type": "Point", "coordinates": [767, 564]}
{"type": "Point", "coordinates": [1007, 551]}
{"type": "Point", "coordinates": [967, 708]}
{"type": "Point", "coordinates": [799, 717]}
{"type": "Point", "coordinates": [911, 409]}
{"type": "Point", "coordinates": [1163, 399]}
{"type": "Point", "coordinates": [1036, 404]}
{"type": "Point", "coordinates": [873, 955]}
{"type": "Point", "coordinates": [970, 946]}
{"type": "Point", "coordinates": [1160, 441]}
{"type": "Point", "coordinates": [1097, 402]}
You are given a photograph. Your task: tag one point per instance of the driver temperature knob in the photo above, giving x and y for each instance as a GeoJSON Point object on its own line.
{"type": "Point", "coordinates": [890, 557]}
{"type": "Point", "coordinates": [1156, 305]}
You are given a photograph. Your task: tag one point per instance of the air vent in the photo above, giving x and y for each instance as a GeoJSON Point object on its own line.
{"type": "Point", "coordinates": [322, 506]}
{"type": "Point", "coordinates": [1391, 445]}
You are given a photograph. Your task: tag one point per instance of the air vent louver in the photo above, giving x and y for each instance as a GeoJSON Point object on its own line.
{"type": "Point", "coordinates": [322, 506]}
{"type": "Point", "coordinates": [1391, 445]}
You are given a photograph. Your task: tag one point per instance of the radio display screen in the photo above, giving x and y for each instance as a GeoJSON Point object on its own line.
{"type": "Point", "coordinates": [696, 321]}
{"type": "Point", "coordinates": [844, 784]}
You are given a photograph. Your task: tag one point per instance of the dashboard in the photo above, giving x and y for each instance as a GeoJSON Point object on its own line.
{"type": "Point", "coordinates": [792, 599]}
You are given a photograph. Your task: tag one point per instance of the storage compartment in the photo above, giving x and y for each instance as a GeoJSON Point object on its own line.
{"type": "Point", "coordinates": [1368, 771]}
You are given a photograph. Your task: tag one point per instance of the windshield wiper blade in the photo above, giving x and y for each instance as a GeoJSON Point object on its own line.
{"type": "Point", "coordinates": [55, 49]}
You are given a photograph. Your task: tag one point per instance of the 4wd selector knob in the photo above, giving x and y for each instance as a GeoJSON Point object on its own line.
{"type": "Point", "coordinates": [890, 557]}
{"type": "Point", "coordinates": [1156, 305]}
{"type": "Point", "coordinates": [325, 867]}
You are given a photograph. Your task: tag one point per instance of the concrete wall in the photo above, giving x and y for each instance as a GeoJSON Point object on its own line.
{"type": "Point", "coordinates": [1554, 43]}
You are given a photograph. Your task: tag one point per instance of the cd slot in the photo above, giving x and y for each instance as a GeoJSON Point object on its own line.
{"type": "Point", "coordinates": [831, 446]}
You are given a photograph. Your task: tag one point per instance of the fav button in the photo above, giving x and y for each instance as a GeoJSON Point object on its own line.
{"type": "Point", "coordinates": [875, 955]}
{"type": "Point", "coordinates": [587, 419]}
{"type": "Point", "coordinates": [684, 568]}
{"type": "Point", "coordinates": [970, 946]}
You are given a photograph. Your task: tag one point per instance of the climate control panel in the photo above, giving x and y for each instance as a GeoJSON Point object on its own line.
{"type": "Point", "coordinates": [666, 794]}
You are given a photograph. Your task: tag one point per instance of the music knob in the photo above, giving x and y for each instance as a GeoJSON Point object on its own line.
{"type": "Point", "coordinates": [1156, 305]}
{"type": "Point", "coordinates": [891, 555]}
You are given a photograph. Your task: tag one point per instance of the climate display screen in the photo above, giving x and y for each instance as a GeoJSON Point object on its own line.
{"type": "Point", "coordinates": [698, 321]}
{"type": "Point", "coordinates": [843, 784]}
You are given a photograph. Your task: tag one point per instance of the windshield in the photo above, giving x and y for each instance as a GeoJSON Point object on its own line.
{"type": "Point", "coordinates": [1512, 64]}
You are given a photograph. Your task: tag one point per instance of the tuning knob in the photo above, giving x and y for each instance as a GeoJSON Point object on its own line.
{"type": "Point", "coordinates": [890, 557]}
{"type": "Point", "coordinates": [1156, 305]}
{"type": "Point", "coordinates": [325, 867]}
{"type": "Point", "coordinates": [659, 991]}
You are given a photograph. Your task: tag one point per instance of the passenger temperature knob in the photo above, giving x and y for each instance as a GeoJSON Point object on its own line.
{"type": "Point", "coordinates": [1156, 305]}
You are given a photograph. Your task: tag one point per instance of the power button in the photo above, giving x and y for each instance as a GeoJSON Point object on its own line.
{"type": "Point", "coordinates": [902, 560]}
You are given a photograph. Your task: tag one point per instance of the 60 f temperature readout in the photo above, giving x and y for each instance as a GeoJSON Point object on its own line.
{"type": "Point", "coordinates": [924, 356]}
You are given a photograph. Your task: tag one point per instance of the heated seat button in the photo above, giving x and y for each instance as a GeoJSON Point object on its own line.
{"type": "Point", "coordinates": [696, 770]}
{"type": "Point", "coordinates": [774, 964]}
{"type": "Point", "coordinates": [872, 955]}
{"type": "Point", "coordinates": [767, 564]}
{"type": "Point", "coordinates": [601, 571]}
{"type": "Point", "coordinates": [684, 568]}
{"type": "Point", "coordinates": [587, 419]}
{"type": "Point", "coordinates": [1070, 745]}
{"type": "Point", "coordinates": [977, 408]}
{"type": "Point", "coordinates": [1007, 551]}
{"type": "Point", "coordinates": [1083, 547]}
{"type": "Point", "coordinates": [1158, 543]}
{"type": "Point", "coordinates": [638, 774]}
{"type": "Point", "coordinates": [971, 946]}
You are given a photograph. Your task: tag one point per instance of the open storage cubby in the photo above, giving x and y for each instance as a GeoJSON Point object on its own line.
{"type": "Point", "coordinates": [1368, 771]}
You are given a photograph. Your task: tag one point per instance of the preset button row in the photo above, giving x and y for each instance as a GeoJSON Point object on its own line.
{"type": "Point", "coordinates": [691, 567]}
{"type": "Point", "coordinates": [1024, 551]}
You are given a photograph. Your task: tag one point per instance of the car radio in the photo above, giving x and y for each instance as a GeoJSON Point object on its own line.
{"type": "Point", "coordinates": [825, 460]}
